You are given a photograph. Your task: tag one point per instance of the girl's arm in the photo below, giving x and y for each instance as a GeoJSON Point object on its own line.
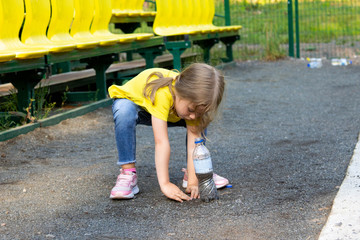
{"type": "Point", "coordinates": [192, 188]}
{"type": "Point", "coordinates": [162, 157]}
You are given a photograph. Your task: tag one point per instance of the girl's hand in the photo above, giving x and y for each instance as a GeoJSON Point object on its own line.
{"type": "Point", "coordinates": [173, 192]}
{"type": "Point", "coordinates": [193, 190]}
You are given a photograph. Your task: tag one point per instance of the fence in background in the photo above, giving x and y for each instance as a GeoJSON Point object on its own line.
{"type": "Point", "coordinates": [326, 28]}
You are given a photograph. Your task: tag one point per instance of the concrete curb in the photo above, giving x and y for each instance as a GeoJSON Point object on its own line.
{"type": "Point", "coordinates": [344, 220]}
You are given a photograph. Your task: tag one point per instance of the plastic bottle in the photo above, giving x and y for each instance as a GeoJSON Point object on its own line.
{"type": "Point", "coordinates": [204, 171]}
{"type": "Point", "coordinates": [335, 62]}
{"type": "Point", "coordinates": [345, 62]}
{"type": "Point", "coordinates": [340, 62]}
{"type": "Point", "coordinates": [314, 63]}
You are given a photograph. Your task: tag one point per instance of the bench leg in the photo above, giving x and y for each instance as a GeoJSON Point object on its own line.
{"type": "Point", "coordinates": [101, 64]}
{"type": "Point", "coordinates": [176, 49]}
{"type": "Point", "coordinates": [61, 67]}
{"type": "Point", "coordinates": [129, 56]}
{"type": "Point", "coordinates": [206, 46]}
{"type": "Point", "coordinates": [149, 54]}
{"type": "Point", "coordinates": [25, 83]}
{"type": "Point", "coordinates": [229, 42]}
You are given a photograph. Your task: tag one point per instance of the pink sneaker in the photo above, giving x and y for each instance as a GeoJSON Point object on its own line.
{"type": "Point", "coordinates": [220, 182]}
{"type": "Point", "coordinates": [126, 186]}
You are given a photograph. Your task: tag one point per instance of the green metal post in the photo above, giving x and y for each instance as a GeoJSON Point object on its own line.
{"type": "Point", "coordinates": [25, 83]}
{"type": "Point", "coordinates": [227, 13]}
{"type": "Point", "coordinates": [149, 59]}
{"type": "Point", "coordinates": [101, 64]}
{"type": "Point", "coordinates": [229, 42]}
{"type": "Point", "coordinates": [149, 54]}
{"type": "Point", "coordinates": [25, 94]}
{"type": "Point", "coordinates": [129, 56]}
{"type": "Point", "coordinates": [176, 49]}
{"type": "Point", "coordinates": [206, 46]}
{"type": "Point", "coordinates": [297, 31]}
{"type": "Point", "coordinates": [291, 29]}
{"type": "Point", "coordinates": [61, 67]}
{"type": "Point", "coordinates": [176, 52]}
{"type": "Point", "coordinates": [101, 80]}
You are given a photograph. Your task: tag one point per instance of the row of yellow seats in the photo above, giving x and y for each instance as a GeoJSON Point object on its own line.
{"type": "Point", "coordinates": [130, 8]}
{"type": "Point", "coordinates": [177, 17]}
{"type": "Point", "coordinates": [54, 26]}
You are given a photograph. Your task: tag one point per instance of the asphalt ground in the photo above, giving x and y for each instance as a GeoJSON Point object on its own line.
{"type": "Point", "coordinates": [284, 140]}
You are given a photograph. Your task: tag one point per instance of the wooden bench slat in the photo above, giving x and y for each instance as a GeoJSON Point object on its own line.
{"type": "Point", "coordinates": [73, 76]}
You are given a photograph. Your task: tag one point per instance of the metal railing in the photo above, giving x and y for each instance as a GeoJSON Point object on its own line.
{"type": "Point", "coordinates": [299, 28]}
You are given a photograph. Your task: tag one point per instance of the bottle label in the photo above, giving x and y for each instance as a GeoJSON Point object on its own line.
{"type": "Point", "coordinates": [203, 165]}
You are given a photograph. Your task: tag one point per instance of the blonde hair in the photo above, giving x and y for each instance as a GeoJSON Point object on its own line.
{"type": "Point", "coordinates": [199, 83]}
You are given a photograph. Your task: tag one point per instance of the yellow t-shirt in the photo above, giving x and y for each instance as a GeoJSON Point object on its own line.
{"type": "Point", "coordinates": [133, 90]}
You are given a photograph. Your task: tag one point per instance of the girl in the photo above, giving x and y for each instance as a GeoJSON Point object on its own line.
{"type": "Point", "coordinates": [162, 98]}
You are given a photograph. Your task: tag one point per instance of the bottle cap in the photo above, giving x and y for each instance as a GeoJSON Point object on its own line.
{"type": "Point", "coordinates": [228, 186]}
{"type": "Point", "coordinates": [198, 140]}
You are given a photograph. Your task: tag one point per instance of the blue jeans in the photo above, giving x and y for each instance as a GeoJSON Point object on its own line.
{"type": "Point", "coordinates": [126, 116]}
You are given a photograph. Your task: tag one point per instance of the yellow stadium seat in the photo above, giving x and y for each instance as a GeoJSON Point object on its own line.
{"type": "Point", "coordinates": [130, 8]}
{"type": "Point", "coordinates": [100, 24]}
{"type": "Point", "coordinates": [162, 24]}
{"type": "Point", "coordinates": [138, 8]}
{"type": "Point", "coordinates": [199, 17]}
{"type": "Point", "coordinates": [189, 11]}
{"type": "Point", "coordinates": [204, 18]}
{"type": "Point", "coordinates": [62, 15]}
{"type": "Point", "coordinates": [178, 17]}
{"type": "Point", "coordinates": [11, 19]}
{"type": "Point", "coordinates": [171, 17]}
{"type": "Point", "coordinates": [80, 28]}
{"type": "Point", "coordinates": [7, 56]}
{"type": "Point", "coordinates": [208, 19]}
{"type": "Point", "coordinates": [34, 29]}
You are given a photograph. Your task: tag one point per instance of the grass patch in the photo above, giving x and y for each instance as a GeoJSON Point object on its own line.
{"type": "Point", "coordinates": [11, 116]}
{"type": "Point", "coordinates": [320, 21]}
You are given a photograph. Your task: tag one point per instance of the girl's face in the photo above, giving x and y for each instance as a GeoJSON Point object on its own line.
{"type": "Point", "coordinates": [185, 109]}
